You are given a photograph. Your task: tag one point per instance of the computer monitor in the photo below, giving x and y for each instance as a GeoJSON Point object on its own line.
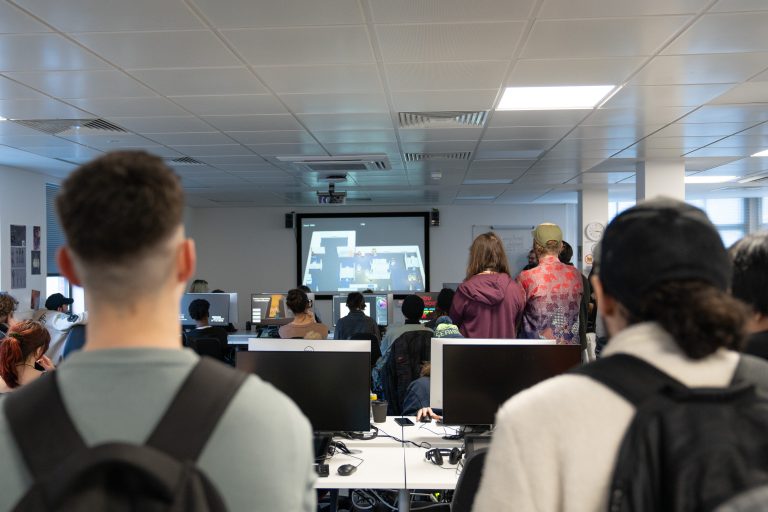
{"type": "Point", "coordinates": [376, 306]}
{"type": "Point", "coordinates": [329, 380]}
{"type": "Point", "coordinates": [478, 376]}
{"type": "Point", "coordinates": [271, 308]}
{"type": "Point", "coordinates": [396, 306]}
{"type": "Point", "coordinates": [222, 310]}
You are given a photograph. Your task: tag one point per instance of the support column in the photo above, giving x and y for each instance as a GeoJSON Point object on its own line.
{"type": "Point", "coordinates": [593, 217]}
{"type": "Point", "coordinates": [661, 178]}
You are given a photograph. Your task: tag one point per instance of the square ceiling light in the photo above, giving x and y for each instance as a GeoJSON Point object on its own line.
{"type": "Point", "coordinates": [556, 98]}
{"type": "Point", "coordinates": [761, 153]}
{"type": "Point", "coordinates": [698, 180]}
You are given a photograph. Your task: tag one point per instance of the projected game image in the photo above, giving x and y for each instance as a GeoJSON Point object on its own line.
{"type": "Point", "coordinates": [343, 254]}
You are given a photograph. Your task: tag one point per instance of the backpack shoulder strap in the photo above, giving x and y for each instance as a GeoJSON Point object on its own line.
{"type": "Point", "coordinates": [629, 376]}
{"type": "Point", "coordinates": [33, 413]}
{"type": "Point", "coordinates": [195, 411]}
{"type": "Point", "coordinates": [752, 370]}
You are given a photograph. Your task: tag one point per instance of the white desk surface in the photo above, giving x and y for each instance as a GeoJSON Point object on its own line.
{"type": "Point", "coordinates": [382, 468]}
{"type": "Point", "coordinates": [418, 433]}
{"type": "Point", "coordinates": [422, 474]}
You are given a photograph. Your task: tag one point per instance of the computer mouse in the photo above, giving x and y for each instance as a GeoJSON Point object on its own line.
{"type": "Point", "coordinates": [346, 469]}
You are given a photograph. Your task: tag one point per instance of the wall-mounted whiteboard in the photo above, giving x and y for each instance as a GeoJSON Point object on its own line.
{"type": "Point", "coordinates": [517, 240]}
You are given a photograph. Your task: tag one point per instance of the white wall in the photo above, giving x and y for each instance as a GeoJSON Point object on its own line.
{"type": "Point", "coordinates": [22, 202]}
{"type": "Point", "coordinates": [248, 250]}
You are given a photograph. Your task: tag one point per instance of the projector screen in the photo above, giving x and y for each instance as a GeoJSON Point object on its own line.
{"type": "Point", "coordinates": [387, 252]}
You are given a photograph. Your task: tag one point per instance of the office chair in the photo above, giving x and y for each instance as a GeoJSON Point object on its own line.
{"type": "Point", "coordinates": [75, 340]}
{"type": "Point", "coordinates": [207, 347]}
{"type": "Point", "coordinates": [375, 347]}
{"type": "Point", "coordinates": [468, 483]}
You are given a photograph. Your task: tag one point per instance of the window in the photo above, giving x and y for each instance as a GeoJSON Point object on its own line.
{"type": "Point", "coordinates": [58, 284]}
{"type": "Point", "coordinates": [54, 233]}
{"type": "Point", "coordinates": [616, 207]}
{"type": "Point", "coordinates": [764, 208]}
{"type": "Point", "coordinates": [729, 215]}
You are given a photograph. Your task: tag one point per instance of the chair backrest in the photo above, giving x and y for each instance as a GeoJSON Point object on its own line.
{"type": "Point", "coordinates": [375, 346]}
{"type": "Point", "coordinates": [403, 366]}
{"type": "Point", "coordinates": [74, 342]}
{"type": "Point", "coordinates": [468, 483]}
{"type": "Point", "coordinates": [207, 347]}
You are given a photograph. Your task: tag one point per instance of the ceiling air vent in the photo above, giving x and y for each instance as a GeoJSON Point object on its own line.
{"type": "Point", "coordinates": [341, 164]}
{"type": "Point", "coordinates": [448, 119]}
{"type": "Point", "coordinates": [184, 160]}
{"type": "Point", "coordinates": [62, 126]}
{"type": "Point", "coordinates": [420, 157]}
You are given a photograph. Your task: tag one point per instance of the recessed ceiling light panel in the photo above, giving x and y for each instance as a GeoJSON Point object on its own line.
{"type": "Point", "coordinates": [555, 98]}
{"type": "Point", "coordinates": [761, 153]}
{"type": "Point", "coordinates": [696, 180]}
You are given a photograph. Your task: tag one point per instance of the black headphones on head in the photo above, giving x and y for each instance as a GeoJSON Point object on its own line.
{"type": "Point", "coordinates": [435, 455]}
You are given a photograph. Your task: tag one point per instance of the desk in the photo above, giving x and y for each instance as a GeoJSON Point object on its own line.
{"type": "Point", "coordinates": [388, 464]}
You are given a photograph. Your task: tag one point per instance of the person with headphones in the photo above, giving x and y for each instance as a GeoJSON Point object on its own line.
{"type": "Point", "coordinates": [304, 324]}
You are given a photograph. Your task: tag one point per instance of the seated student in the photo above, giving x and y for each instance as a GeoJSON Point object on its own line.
{"type": "Point", "coordinates": [443, 307]}
{"type": "Point", "coordinates": [122, 217]}
{"type": "Point", "coordinates": [199, 311]}
{"type": "Point", "coordinates": [556, 444]}
{"type": "Point", "coordinates": [307, 289]}
{"type": "Point", "coordinates": [7, 307]}
{"type": "Point", "coordinates": [57, 318]}
{"type": "Point", "coordinates": [750, 282]}
{"type": "Point", "coordinates": [356, 321]}
{"type": "Point", "coordinates": [413, 309]}
{"type": "Point", "coordinates": [304, 324]}
{"type": "Point", "coordinates": [24, 346]}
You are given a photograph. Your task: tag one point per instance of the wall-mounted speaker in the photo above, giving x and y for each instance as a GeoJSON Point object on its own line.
{"type": "Point", "coordinates": [434, 217]}
{"type": "Point", "coordinates": [289, 220]}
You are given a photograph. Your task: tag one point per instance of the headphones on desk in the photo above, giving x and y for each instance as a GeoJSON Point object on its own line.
{"type": "Point", "coordinates": [435, 455]}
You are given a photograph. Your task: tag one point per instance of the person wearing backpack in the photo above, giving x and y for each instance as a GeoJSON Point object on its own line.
{"type": "Point", "coordinates": [667, 419]}
{"type": "Point", "coordinates": [134, 421]}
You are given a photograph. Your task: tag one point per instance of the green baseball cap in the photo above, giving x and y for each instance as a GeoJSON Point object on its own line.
{"type": "Point", "coordinates": [546, 232]}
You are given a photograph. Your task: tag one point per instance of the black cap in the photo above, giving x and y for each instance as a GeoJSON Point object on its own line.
{"type": "Point", "coordinates": [57, 300]}
{"type": "Point", "coordinates": [656, 241]}
{"type": "Point", "coordinates": [413, 307]}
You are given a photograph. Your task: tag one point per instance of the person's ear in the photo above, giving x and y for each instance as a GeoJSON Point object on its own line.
{"type": "Point", "coordinates": [186, 260]}
{"type": "Point", "coordinates": [67, 265]}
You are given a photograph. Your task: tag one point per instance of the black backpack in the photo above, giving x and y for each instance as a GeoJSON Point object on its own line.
{"type": "Point", "coordinates": [688, 449]}
{"type": "Point", "coordinates": [119, 476]}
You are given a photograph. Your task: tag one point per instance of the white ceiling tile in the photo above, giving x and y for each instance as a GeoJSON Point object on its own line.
{"type": "Point", "coordinates": [202, 81]}
{"type": "Point", "coordinates": [452, 146]}
{"type": "Point", "coordinates": [9, 128]}
{"type": "Point", "coordinates": [701, 69]}
{"type": "Point", "coordinates": [321, 79]}
{"type": "Point", "coordinates": [434, 11]}
{"type": "Point", "coordinates": [24, 53]}
{"type": "Point", "coordinates": [272, 137]}
{"type": "Point", "coordinates": [242, 13]}
{"type": "Point", "coordinates": [362, 149]}
{"type": "Point", "coordinates": [174, 49]}
{"type": "Point", "coordinates": [750, 92]}
{"type": "Point", "coordinates": [191, 139]}
{"type": "Point", "coordinates": [111, 141]}
{"type": "Point", "coordinates": [561, 9]}
{"type": "Point", "coordinates": [739, 5]}
{"type": "Point", "coordinates": [22, 141]}
{"type": "Point", "coordinates": [537, 118]}
{"type": "Point", "coordinates": [335, 103]}
{"type": "Point", "coordinates": [526, 132]}
{"type": "Point", "coordinates": [508, 153]}
{"type": "Point", "coordinates": [355, 136]}
{"type": "Point", "coordinates": [83, 83]}
{"type": "Point", "coordinates": [233, 160]}
{"type": "Point", "coordinates": [723, 33]}
{"type": "Point", "coordinates": [254, 123]}
{"type": "Point", "coordinates": [287, 149]}
{"type": "Point", "coordinates": [714, 129]}
{"type": "Point", "coordinates": [625, 116]}
{"type": "Point", "coordinates": [155, 124]}
{"type": "Point", "coordinates": [600, 38]}
{"type": "Point", "coordinates": [614, 132]}
{"type": "Point", "coordinates": [15, 21]}
{"type": "Point", "coordinates": [113, 15]}
{"type": "Point", "coordinates": [746, 114]}
{"type": "Point", "coordinates": [214, 150]}
{"type": "Point", "coordinates": [302, 45]}
{"type": "Point", "coordinates": [437, 76]}
{"type": "Point", "coordinates": [73, 152]}
{"type": "Point", "coordinates": [551, 72]}
{"type": "Point", "coordinates": [321, 122]}
{"type": "Point", "coordinates": [106, 107]}
{"type": "Point", "coordinates": [651, 96]}
{"type": "Point", "coordinates": [446, 42]}
{"type": "Point", "coordinates": [431, 101]}
{"type": "Point", "coordinates": [537, 145]}
{"type": "Point", "coordinates": [45, 108]}
{"type": "Point", "coordinates": [439, 134]}
{"type": "Point", "coordinates": [233, 105]}
{"type": "Point", "coordinates": [502, 164]}
{"type": "Point", "coordinates": [10, 90]}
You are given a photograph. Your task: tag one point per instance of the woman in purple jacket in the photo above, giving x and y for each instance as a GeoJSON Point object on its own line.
{"type": "Point", "coordinates": [489, 303]}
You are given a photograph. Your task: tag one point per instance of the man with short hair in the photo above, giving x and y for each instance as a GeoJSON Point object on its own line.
{"type": "Point", "coordinates": [57, 318]}
{"type": "Point", "coordinates": [200, 312]}
{"type": "Point", "coordinates": [553, 291]}
{"type": "Point", "coordinates": [122, 216]}
{"type": "Point", "coordinates": [750, 281]}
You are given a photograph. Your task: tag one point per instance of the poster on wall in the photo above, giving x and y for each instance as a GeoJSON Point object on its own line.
{"type": "Point", "coordinates": [35, 238]}
{"type": "Point", "coordinates": [35, 302]}
{"type": "Point", "coordinates": [35, 263]}
{"type": "Point", "coordinates": [18, 256]}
